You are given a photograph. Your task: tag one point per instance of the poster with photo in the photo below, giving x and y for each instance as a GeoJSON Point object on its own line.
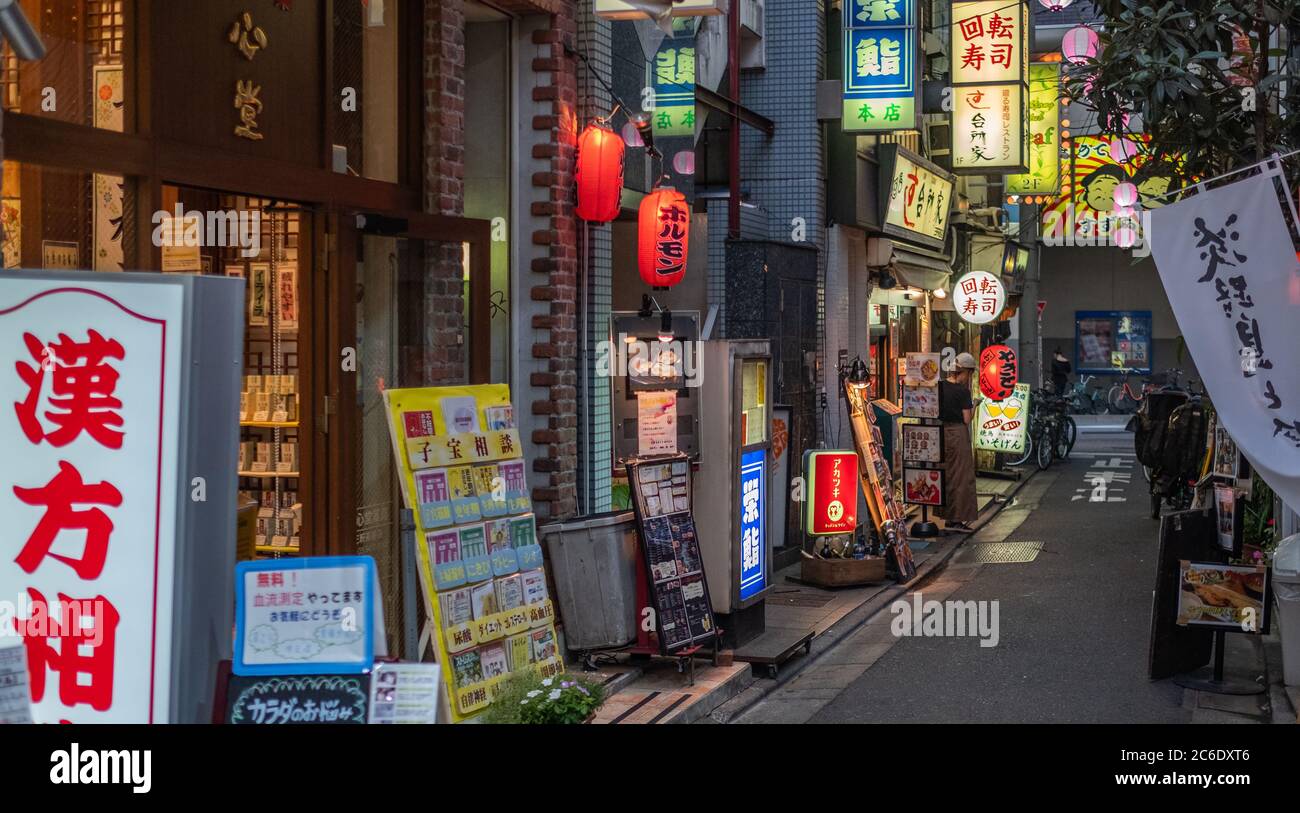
{"type": "Point", "coordinates": [921, 370]}
{"type": "Point", "coordinates": [1228, 461]}
{"type": "Point", "coordinates": [1233, 598]}
{"type": "Point", "coordinates": [920, 402]}
{"type": "Point", "coordinates": [922, 444]}
{"type": "Point", "coordinates": [923, 486]}
{"type": "Point", "coordinates": [1228, 515]}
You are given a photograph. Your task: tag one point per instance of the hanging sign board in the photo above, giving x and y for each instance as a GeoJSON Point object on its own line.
{"type": "Point", "coordinates": [988, 130]}
{"type": "Point", "coordinates": [1000, 425]}
{"type": "Point", "coordinates": [916, 196]}
{"type": "Point", "coordinates": [881, 68]}
{"type": "Point", "coordinates": [979, 297]}
{"type": "Point", "coordinates": [674, 82]}
{"type": "Point", "coordinates": [831, 506]}
{"type": "Point", "coordinates": [297, 699]}
{"type": "Point", "coordinates": [990, 75]}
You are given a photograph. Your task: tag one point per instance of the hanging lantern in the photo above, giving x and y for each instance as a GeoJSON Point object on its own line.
{"type": "Point", "coordinates": [1079, 44]}
{"type": "Point", "coordinates": [1055, 5]}
{"type": "Point", "coordinates": [999, 372]}
{"type": "Point", "coordinates": [632, 136]}
{"type": "Point", "coordinates": [1122, 150]}
{"type": "Point", "coordinates": [599, 174]}
{"type": "Point", "coordinates": [664, 231]}
{"type": "Point", "coordinates": [1125, 236]}
{"type": "Point", "coordinates": [1126, 194]}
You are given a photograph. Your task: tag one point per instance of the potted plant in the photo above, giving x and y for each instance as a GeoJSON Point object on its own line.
{"type": "Point", "coordinates": [530, 699]}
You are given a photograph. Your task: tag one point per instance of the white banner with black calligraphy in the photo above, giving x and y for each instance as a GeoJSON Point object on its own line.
{"type": "Point", "coordinates": [1230, 270]}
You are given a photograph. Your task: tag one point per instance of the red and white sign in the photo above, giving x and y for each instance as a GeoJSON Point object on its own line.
{"type": "Point", "coordinates": [832, 479]}
{"type": "Point", "coordinates": [979, 297]}
{"type": "Point", "coordinates": [89, 483]}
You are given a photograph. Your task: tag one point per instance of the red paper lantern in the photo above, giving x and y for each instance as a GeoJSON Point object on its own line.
{"type": "Point", "coordinates": [664, 231]}
{"type": "Point", "coordinates": [599, 174]}
{"type": "Point", "coordinates": [998, 372]}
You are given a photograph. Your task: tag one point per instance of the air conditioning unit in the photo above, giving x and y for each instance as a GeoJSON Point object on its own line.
{"type": "Point", "coordinates": [753, 51]}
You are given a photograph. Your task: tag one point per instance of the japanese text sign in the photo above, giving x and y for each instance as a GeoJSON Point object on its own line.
{"type": "Point", "coordinates": [1229, 268]}
{"type": "Point", "coordinates": [998, 372]}
{"type": "Point", "coordinates": [988, 41]}
{"type": "Point", "coordinates": [1044, 175]}
{"type": "Point", "coordinates": [674, 82]}
{"type": "Point", "coordinates": [308, 616]}
{"type": "Point", "coordinates": [979, 297]}
{"type": "Point", "coordinates": [919, 196]}
{"type": "Point", "coordinates": [880, 67]}
{"type": "Point", "coordinates": [89, 404]}
{"type": "Point", "coordinates": [988, 128]}
{"type": "Point", "coordinates": [753, 523]}
{"type": "Point", "coordinates": [1000, 425]}
{"type": "Point", "coordinates": [832, 504]}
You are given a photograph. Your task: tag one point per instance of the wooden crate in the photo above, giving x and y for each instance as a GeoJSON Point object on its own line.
{"type": "Point", "coordinates": [842, 572]}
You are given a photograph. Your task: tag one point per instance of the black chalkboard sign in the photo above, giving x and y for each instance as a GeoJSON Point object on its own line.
{"type": "Point", "coordinates": [674, 566]}
{"type": "Point", "coordinates": [297, 700]}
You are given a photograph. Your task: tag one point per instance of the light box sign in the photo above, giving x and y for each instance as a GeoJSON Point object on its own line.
{"type": "Point", "coordinates": [618, 10]}
{"type": "Point", "coordinates": [1044, 175]}
{"type": "Point", "coordinates": [1085, 210]}
{"type": "Point", "coordinates": [1000, 425]}
{"type": "Point", "coordinates": [94, 374]}
{"type": "Point", "coordinates": [753, 523]}
{"type": "Point", "coordinates": [674, 82]}
{"type": "Point", "coordinates": [988, 128]}
{"type": "Point", "coordinates": [881, 70]}
{"type": "Point", "coordinates": [918, 195]}
{"type": "Point", "coordinates": [988, 42]}
{"type": "Point", "coordinates": [832, 503]}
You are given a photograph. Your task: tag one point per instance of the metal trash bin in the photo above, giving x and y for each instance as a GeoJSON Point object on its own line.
{"type": "Point", "coordinates": [593, 562]}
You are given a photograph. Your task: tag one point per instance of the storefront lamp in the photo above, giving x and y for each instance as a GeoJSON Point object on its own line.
{"type": "Point", "coordinates": [939, 293]}
{"type": "Point", "coordinates": [666, 327]}
{"type": "Point", "coordinates": [599, 174]}
{"type": "Point", "coordinates": [1079, 44]}
{"type": "Point", "coordinates": [1055, 5]}
{"type": "Point", "coordinates": [663, 239]}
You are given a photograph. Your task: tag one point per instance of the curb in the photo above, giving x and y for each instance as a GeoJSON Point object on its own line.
{"type": "Point", "coordinates": [741, 702]}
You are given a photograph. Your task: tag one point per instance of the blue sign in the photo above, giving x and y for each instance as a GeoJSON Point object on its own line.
{"type": "Point", "coordinates": [880, 65]}
{"type": "Point", "coordinates": [1110, 342]}
{"type": "Point", "coordinates": [315, 615]}
{"type": "Point", "coordinates": [753, 523]}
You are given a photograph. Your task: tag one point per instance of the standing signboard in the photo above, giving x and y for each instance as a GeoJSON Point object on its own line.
{"type": "Point", "coordinates": [1000, 425]}
{"type": "Point", "coordinates": [832, 501]}
{"type": "Point", "coordinates": [119, 399]}
{"type": "Point", "coordinates": [922, 442]}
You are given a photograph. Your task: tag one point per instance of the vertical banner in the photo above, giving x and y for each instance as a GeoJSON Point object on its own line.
{"type": "Point", "coordinates": [109, 190]}
{"type": "Point", "coordinates": [1230, 270]}
{"type": "Point", "coordinates": [1044, 175]}
{"type": "Point", "coordinates": [881, 70]}
{"type": "Point", "coordinates": [753, 523]}
{"type": "Point", "coordinates": [990, 74]}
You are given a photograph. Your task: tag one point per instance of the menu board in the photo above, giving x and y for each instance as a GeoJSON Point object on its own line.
{"type": "Point", "coordinates": [464, 478]}
{"type": "Point", "coordinates": [297, 699]}
{"type": "Point", "coordinates": [878, 483]}
{"type": "Point", "coordinates": [922, 444]}
{"type": "Point", "coordinates": [1227, 597]}
{"type": "Point", "coordinates": [674, 565]}
{"type": "Point", "coordinates": [921, 402]}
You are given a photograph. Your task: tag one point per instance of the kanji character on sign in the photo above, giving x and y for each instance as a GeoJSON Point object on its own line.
{"type": "Point", "coordinates": [84, 649]}
{"type": "Point", "coordinates": [59, 496]}
{"type": "Point", "coordinates": [80, 391]}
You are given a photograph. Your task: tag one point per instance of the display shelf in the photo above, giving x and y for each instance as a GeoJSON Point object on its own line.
{"type": "Point", "coordinates": [270, 424]}
{"type": "Point", "coordinates": [266, 475]}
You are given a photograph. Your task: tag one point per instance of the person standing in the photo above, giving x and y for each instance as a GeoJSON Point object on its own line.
{"type": "Point", "coordinates": [956, 410]}
{"type": "Point", "coordinates": [1060, 371]}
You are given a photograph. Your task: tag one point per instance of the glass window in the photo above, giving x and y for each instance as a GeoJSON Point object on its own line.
{"type": "Point", "coordinates": [367, 74]}
{"type": "Point", "coordinates": [85, 73]}
{"type": "Point", "coordinates": [57, 219]}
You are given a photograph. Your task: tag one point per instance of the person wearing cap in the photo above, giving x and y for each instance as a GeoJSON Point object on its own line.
{"type": "Point", "coordinates": [956, 410]}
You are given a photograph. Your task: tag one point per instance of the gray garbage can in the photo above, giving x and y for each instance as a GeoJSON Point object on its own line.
{"type": "Point", "coordinates": [593, 562]}
{"type": "Point", "coordinates": [1286, 586]}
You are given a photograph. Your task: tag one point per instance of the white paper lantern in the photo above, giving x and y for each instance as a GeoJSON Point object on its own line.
{"type": "Point", "coordinates": [1055, 5]}
{"type": "Point", "coordinates": [1125, 236]}
{"type": "Point", "coordinates": [1122, 150]}
{"type": "Point", "coordinates": [1079, 44]}
{"type": "Point", "coordinates": [1126, 194]}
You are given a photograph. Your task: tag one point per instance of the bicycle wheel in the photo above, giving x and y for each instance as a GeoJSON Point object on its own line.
{"type": "Point", "coordinates": [1070, 432]}
{"type": "Point", "coordinates": [1028, 453]}
{"type": "Point", "coordinates": [1113, 398]}
{"type": "Point", "coordinates": [1043, 453]}
{"type": "Point", "coordinates": [1155, 505]}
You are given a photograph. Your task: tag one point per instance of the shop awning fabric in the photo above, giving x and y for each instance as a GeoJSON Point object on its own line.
{"type": "Point", "coordinates": [912, 265]}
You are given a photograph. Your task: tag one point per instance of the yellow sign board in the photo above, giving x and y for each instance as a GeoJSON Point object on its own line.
{"type": "Point", "coordinates": [1044, 175]}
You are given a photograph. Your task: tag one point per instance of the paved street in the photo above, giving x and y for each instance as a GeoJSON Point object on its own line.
{"type": "Point", "coordinates": [1073, 623]}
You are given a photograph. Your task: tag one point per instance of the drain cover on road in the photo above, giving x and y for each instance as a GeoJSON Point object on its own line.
{"type": "Point", "coordinates": [1003, 553]}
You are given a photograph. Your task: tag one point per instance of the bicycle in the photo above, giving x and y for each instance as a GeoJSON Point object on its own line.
{"type": "Point", "coordinates": [1084, 401]}
{"type": "Point", "coordinates": [1060, 427]}
{"type": "Point", "coordinates": [1121, 398]}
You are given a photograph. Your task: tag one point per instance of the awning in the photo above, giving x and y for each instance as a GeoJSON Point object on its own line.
{"type": "Point", "coordinates": [912, 265]}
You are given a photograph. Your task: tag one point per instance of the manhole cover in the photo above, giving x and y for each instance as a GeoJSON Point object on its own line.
{"type": "Point", "coordinates": [798, 598]}
{"type": "Point", "coordinates": [1003, 553]}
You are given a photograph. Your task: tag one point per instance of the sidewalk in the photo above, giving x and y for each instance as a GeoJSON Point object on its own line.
{"type": "Point", "coordinates": [656, 692]}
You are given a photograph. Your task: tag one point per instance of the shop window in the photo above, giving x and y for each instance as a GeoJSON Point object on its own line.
{"type": "Point", "coordinates": [368, 56]}
{"type": "Point", "coordinates": [57, 219]}
{"type": "Point", "coordinates": [84, 76]}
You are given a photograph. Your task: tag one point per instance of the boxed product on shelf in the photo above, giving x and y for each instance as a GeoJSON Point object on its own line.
{"type": "Point", "coordinates": [457, 608]}
{"type": "Point", "coordinates": [533, 585]}
{"type": "Point", "coordinates": [510, 593]}
{"type": "Point", "coordinates": [519, 650]}
{"type": "Point", "coordinates": [493, 660]}
{"type": "Point", "coordinates": [483, 599]}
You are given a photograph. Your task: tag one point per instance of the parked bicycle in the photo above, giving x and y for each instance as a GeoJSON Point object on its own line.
{"type": "Point", "coordinates": [1050, 433]}
{"type": "Point", "coordinates": [1170, 442]}
{"type": "Point", "coordinates": [1124, 399]}
{"type": "Point", "coordinates": [1084, 401]}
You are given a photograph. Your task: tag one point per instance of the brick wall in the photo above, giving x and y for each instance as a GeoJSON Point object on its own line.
{"type": "Point", "coordinates": [444, 187]}
{"type": "Point", "coordinates": [556, 271]}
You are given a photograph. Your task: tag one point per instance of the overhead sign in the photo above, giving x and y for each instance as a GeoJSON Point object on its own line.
{"type": "Point", "coordinates": [753, 523]}
{"type": "Point", "coordinates": [1000, 425]}
{"type": "Point", "coordinates": [990, 74]}
{"type": "Point", "coordinates": [832, 501]}
{"type": "Point", "coordinates": [881, 70]}
{"type": "Point", "coordinates": [1044, 175]}
{"type": "Point", "coordinates": [93, 497]}
{"type": "Point", "coordinates": [918, 195]}
{"type": "Point", "coordinates": [619, 10]}
{"type": "Point", "coordinates": [1084, 213]}
{"type": "Point", "coordinates": [674, 82]}
{"type": "Point", "coordinates": [979, 297]}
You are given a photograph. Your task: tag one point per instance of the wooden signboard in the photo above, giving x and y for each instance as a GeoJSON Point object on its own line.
{"type": "Point", "coordinates": [878, 483]}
